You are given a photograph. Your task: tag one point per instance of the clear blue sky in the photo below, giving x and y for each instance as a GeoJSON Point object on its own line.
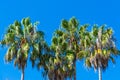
{"type": "Point", "coordinates": [50, 13]}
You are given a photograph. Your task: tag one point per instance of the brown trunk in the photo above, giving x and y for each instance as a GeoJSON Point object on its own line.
{"type": "Point", "coordinates": [74, 70]}
{"type": "Point", "coordinates": [74, 65]}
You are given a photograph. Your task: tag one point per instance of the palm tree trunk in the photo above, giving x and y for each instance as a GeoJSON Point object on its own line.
{"type": "Point", "coordinates": [75, 70]}
{"type": "Point", "coordinates": [99, 73]}
{"type": "Point", "coordinates": [22, 75]}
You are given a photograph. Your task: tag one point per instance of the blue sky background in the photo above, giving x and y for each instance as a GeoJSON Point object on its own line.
{"type": "Point", "coordinates": [50, 13]}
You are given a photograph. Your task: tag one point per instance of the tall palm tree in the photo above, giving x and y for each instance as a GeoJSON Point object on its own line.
{"type": "Point", "coordinates": [65, 48]}
{"type": "Point", "coordinates": [21, 39]}
{"type": "Point", "coordinates": [71, 28]}
{"type": "Point", "coordinates": [101, 48]}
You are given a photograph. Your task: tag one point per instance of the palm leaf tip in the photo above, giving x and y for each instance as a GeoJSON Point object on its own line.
{"type": "Point", "coordinates": [73, 21]}
{"type": "Point", "coordinates": [64, 24]}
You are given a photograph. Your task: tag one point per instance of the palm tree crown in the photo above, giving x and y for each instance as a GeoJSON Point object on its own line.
{"type": "Point", "coordinates": [101, 48]}
{"type": "Point", "coordinates": [21, 39]}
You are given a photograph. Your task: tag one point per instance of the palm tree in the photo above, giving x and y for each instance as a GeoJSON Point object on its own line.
{"type": "Point", "coordinates": [65, 49]}
{"type": "Point", "coordinates": [21, 39]}
{"type": "Point", "coordinates": [101, 48]}
{"type": "Point", "coordinates": [71, 28]}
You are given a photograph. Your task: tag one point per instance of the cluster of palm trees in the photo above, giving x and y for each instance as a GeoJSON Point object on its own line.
{"type": "Point", "coordinates": [71, 42]}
